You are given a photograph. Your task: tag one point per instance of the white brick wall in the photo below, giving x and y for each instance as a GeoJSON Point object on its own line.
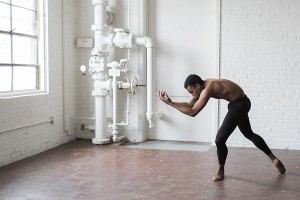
{"type": "Point", "coordinates": [260, 45]}
{"type": "Point", "coordinates": [17, 112]}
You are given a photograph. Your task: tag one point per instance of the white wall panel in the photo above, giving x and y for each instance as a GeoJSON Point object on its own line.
{"type": "Point", "coordinates": [185, 33]}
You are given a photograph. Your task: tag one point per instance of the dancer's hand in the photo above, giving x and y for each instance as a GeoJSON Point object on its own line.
{"type": "Point", "coordinates": [164, 97]}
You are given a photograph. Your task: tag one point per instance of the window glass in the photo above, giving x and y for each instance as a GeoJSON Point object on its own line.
{"type": "Point", "coordinates": [5, 78]}
{"type": "Point", "coordinates": [5, 50]}
{"type": "Point", "coordinates": [24, 78]}
{"type": "Point", "coordinates": [23, 20]}
{"type": "Point", "coordinates": [24, 50]}
{"type": "Point", "coordinates": [4, 17]}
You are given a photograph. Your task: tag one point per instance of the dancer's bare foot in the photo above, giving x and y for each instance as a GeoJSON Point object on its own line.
{"type": "Point", "coordinates": [219, 176]}
{"type": "Point", "coordinates": [278, 164]}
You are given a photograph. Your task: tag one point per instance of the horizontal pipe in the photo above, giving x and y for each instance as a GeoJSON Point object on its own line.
{"type": "Point", "coordinates": [51, 120]}
{"type": "Point", "coordinates": [145, 41]}
{"type": "Point", "coordinates": [93, 118]}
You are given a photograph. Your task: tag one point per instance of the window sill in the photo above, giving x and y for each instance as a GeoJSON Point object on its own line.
{"type": "Point", "coordinates": [22, 94]}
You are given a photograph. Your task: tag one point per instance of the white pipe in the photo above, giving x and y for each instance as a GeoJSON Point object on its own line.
{"type": "Point", "coordinates": [145, 41]}
{"type": "Point", "coordinates": [101, 37]}
{"type": "Point", "coordinates": [127, 113]}
{"type": "Point", "coordinates": [128, 26]}
{"type": "Point", "coordinates": [115, 113]}
{"type": "Point", "coordinates": [100, 14]}
{"type": "Point", "coordinates": [103, 84]}
{"type": "Point", "coordinates": [64, 78]}
{"type": "Point", "coordinates": [92, 118]}
{"type": "Point", "coordinates": [50, 120]}
{"type": "Point", "coordinates": [150, 86]}
{"type": "Point", "coordinates": [100, 122]}
{"type": "Point", "coordinates": [150, 45]}
{"type": "Point", "coordinates": [128, 14]}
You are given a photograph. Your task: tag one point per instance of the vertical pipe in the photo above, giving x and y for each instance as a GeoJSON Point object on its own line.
{"type": "Point", "coordinates": [64, 78]}
{"type": "Point", "coordinates": [100, 20]}
{"type": "Point", "coordinates": [100, 114]}
{"type": "Point", "coordinates": [100, 15]}
{"type": "Point", "coordinates": [150, 45]}
{"type": "Point", "coordinates": [115, 98]}
{"type": "Point", "coordinates": [150, 87]}
{"type": "Point", "coordinates": [127, 109]}
{"type": "Point", "coordinates": [217, 68]}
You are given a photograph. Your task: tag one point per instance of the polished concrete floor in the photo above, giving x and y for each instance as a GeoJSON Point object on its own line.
{"type": "Point", "coordinates": [80, 170]}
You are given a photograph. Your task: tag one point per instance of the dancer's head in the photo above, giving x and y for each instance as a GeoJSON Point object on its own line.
{"type": "Point", "coordinates": [192, 80]}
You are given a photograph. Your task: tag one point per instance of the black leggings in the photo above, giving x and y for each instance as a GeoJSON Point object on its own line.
{"type": "Point", "coordinates": [237, 115]}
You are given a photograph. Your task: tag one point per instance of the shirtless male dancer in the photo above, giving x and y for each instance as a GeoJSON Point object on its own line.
{"type": "Point", "coordinates": [237, 115]}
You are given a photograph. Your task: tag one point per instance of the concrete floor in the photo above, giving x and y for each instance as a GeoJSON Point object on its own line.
{"type": "Point", "coordinates": [80, 170]}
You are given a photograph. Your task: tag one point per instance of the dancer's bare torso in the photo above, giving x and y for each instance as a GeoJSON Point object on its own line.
{"type": "Point", "coordinates": [223, 89]}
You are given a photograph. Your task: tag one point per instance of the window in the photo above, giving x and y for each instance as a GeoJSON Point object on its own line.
{"type": "Point", "coordinates": [22, 47]}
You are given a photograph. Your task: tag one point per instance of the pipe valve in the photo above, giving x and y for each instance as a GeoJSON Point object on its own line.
{"type": "Point", "coordinates": [97, 64]}
{"type": "Point", "coordinates": [123, 63]}
{"type": "Point", "coordinates": [122, 38]}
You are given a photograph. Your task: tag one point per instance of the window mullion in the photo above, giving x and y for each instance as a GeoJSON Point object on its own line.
{"type": "Point", "coordinates": [24, 68]}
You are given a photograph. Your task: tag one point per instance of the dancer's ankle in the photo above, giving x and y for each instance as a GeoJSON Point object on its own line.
{"type": "Point", "coordinates": [221, 168]}
{"type": "Point", "coordinates": [272, 157]}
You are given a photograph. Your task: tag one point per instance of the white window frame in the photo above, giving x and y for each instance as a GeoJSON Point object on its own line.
{"type": "Point", "coordinates": [42, 86]}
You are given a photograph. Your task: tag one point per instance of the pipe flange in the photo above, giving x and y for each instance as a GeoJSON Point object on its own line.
{"type": "Point", "coordinates": [122, 30]}
{"type": "Point", "coordinates": [103, 2]}
{"type": "Point", "coordinates": [100, 141]}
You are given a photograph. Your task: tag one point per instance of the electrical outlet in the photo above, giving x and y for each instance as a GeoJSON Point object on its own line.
{"type": "Point", "coordinates": [82, 127]}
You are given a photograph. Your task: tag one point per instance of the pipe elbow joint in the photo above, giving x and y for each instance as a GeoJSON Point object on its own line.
{"type": "Point", "coordinates": [149, 42]}
{"type": "Point", "coordinates": [146, 41]}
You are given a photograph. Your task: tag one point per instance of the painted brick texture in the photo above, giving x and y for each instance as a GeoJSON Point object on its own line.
{"type": "Point", "coordinates": [259, 49]}
{"type": "Point", "coordinates": [260, 45]}
{"type": "Point", "coordinates": [23, 111]}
